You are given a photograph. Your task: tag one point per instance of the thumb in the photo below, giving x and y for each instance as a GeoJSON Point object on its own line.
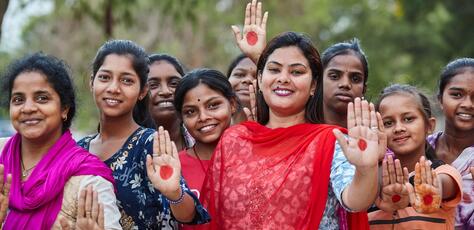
{"type": "Point", "coordinates": [64, 223]}
{"type": "Point", "coordinates": [248, 114]}
{"type": "Point", "coordinates": [237, 34]}
{"type": "Point", "coordinates": [150, 169]}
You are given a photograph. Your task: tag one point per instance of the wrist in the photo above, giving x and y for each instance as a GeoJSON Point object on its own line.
{"type": "Point", "coordinates": [367, 170]}
{"type": "Point", "coordinates": [174, 195]}
{"type": "Point", "coordinates": [176, 199]}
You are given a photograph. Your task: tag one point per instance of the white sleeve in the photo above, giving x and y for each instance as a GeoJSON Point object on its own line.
{"type": "Point", "coordinates": [106, 197]}
{"type": "Point", "coordinates": [3, 141]}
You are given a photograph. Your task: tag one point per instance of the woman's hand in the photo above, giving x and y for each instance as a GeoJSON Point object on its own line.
{"type": "Point", "coordinates": [253, 42]}
{"type": "Point", "coordinates": [164, 169]}
{"type": "Point", "coordinates": [90, 213]}
{"type": "Point", "coordinates": [394, 194]}
{"type": "Point", "coordinates": [426, 197]}
{"type": "Point", "coordinates": [4, 194]}
{"type": "Point", "coordinates": [251, 113]}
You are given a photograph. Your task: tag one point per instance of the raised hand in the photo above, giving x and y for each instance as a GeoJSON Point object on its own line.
{"type": "Point", "coordinates": [426, 197]}
{"type": "Point", "coordinates": [164, 169]}
{"type": "Point", "coordinates": [394, 195]}
{"type": "Point", "coordinates": [4, 194]}
{"type": "Point", "coordinates": [254, 40]}
{"type": "Point", "coordinates": [362, 148]}
{"type": "Point", "coordinates": [381, 134]}
{"type": "Point", "coordinates": [251, 113]}
{"type": "Point", "coordinates": [90, 213]}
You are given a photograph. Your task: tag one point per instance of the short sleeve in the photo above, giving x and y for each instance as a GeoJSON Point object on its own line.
{"type": "Point", "coordinates": [453, 173]}
{"type": "Point", "coordinates": [342, 173]}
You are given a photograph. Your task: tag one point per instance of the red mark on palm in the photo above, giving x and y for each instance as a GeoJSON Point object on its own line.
{"type": "Point", "coordinates": [252, 38]}
{"type": "Point", "coordinates": [427, 199]}
{"type": "Point", "coordinates": [165, 172]}
{"type": "Point", "coordinates": [396, 198]}
{"type": "Point", "coordinates": [362, 144]}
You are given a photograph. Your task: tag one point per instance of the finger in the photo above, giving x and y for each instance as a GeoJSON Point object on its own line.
{"type": "Point", "coordinates": [6, 189]}
{"type": "Point", "coordinates": [417, 174]}
{"type": "Point", "coordinates": [81, 203]}
{"type": "Point", "coordinates": [380, 122]}
{"type": "Point", "coordinates": [100, 220]}
{"type": "Point", "coordinates": [248, 114]}
{"type": "Point", "coordinates": [391, 170]}
{"type": "Point", "coordinates": [385, 177]}
{"type": "Point", "coordinates": [1, 177]}
{"type": "Point", "coordinates": [435, 179]}
{"type": "Point", "coordinates": [258, 20]}
{"type": "Point", "coordinates": [399, 171]}
{"type": "Point", "coordinates": [64, 223]}
{"type": "Point", "coordinates": [168, 143]}
{"type": "Point", "coordinates": [247, 15]}
{"type": "Point", "coordinates": [365, 113]}
{"type": "Point", "coordinates": [373, 117]}
{"type": "Point", "coordinates": [162, 141]}
{"type": "Point", "coordinates": [88, 203]}
{"type": "Point", "coordinates": [174, 151]}
{"type": "Point", "coordinates": [253, 99]}
{"type": "Point", "coordinates": [411, 194]}
{"type": "Point", "coordinates": [237, 34]}
{"type": "Point", "coordinates": [422, 170]}
{"type": "Point", "coordinates": [429, 178]}
{"type": "Point", "coordinates": [472, 172]}
{"type": "Point", "coordinates": [406, 175]}
{"type": "Point", "coordinates": [351, 122]}
{"type": "Point", "coordinates": [156, 144]}
{"type": "Point", "coordinates": [264, 21]}
{"type": "Point", "coordinates": [95, 206]}
{"type": "Point", "coordinates": [253, 9]}
{"type": "Point", "coordinates": [150, 168]}
{"type": "Point", "coordinates": [358, 111]}
{"type": "Point", "coordinates": [341, 139]}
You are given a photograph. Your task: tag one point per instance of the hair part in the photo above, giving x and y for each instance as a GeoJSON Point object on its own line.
{"type": "Point", "coordinates": [57, 74]}
{"type": "Point", "coordinates": [456, 67]}
{"type": "Point", "coordinates": [170, 59]}
{"type": "Point", "coordinates": [235, 62]}
{"type": "Point", "coordinates": [303, 43]}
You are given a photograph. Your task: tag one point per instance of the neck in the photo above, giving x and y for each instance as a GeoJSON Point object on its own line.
{"type": "Point", "coordinates": [173, 126]}
{"type": "Point", "coordinates": [455, 141]}
{"type": "Point", "coordinates": [33, 150]}
{"type": "Point", "coordinates": [277, 120]}
{"type": "Point", "coordinates": [409, 160]}
{"type": "Point", "coordinates": [239, 117]}
{"type": "Point", "coordinates": [203, 150]}
{"type": "Point", "coordinates": [334, 118]}
{"type": "Point", "coordinates": [117, 127]}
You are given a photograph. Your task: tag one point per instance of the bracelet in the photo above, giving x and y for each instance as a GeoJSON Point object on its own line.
{"type": "Point", "coordinates": [179, 200]}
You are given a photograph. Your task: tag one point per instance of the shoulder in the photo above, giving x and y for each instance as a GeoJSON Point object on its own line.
{"type": "Point", "coordinates": [83, 142]}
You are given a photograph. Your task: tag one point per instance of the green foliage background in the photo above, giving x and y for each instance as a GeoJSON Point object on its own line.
{"type": "Point", "coordinates": [406, 41]}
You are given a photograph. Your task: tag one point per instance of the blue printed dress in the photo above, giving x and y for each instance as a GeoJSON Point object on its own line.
{"type": "Point", "coordinates": [140, 204]}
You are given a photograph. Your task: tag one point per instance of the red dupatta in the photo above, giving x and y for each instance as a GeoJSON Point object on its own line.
{"type": "Point", "coordinates": [263, 178]}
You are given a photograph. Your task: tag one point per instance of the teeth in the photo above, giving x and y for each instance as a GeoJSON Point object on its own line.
{"type": "Point", "coordinates": [207, 128]}
{"type": "Point", "coordinates": [31, 122]}
{"type": "Point", "coordinates": [112, 101]}
{"type": "Point", "coordinates": [165, 104]}
{"type": "Point", "coordinates": [465, 115]}
{"type": "Point", "coordinates": [282, 91]}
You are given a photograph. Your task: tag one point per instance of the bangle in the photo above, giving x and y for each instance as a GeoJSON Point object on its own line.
{"type": "Point", "coordinates": [179, 200]}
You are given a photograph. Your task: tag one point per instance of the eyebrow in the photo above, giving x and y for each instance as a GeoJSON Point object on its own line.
{"type": "Point", "coordinates": [339, 70]}
{"type": "Point", "coordinates": [292, 65]}
{"type": "Point", "coordinates": [210, 99]}
{"type": "Point", "coordinates": [456, 88]}
{"type": "Point", "coordinates": [121, 73]}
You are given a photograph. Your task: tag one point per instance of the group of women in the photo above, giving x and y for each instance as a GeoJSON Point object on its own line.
{"type": "Point", "coordinates": [285, 141]}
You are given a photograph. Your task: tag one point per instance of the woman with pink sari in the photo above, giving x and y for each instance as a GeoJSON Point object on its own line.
{"type": "Point", "coordinates": [42, 165]}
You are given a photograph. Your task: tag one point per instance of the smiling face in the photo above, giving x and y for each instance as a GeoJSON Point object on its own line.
{"type": "Point", "coordinates": [343, 80]}
{"type": "Point", "coordinates": [35, 108]}
{"type": "Point", "coordinates": [286, 81]}
{"type": "Point", "coordinates": [241, 77]}
{"type": "Point", "coordinates": [405, 124]}
{"type": "Point", "coordinates": [116, 86]}
{"type": "Point", "coordinates": [457, 102]}
{"type": "Point", "coordinates": [206, 113]}
{"type": "Point", "coordinates": [162, 82]}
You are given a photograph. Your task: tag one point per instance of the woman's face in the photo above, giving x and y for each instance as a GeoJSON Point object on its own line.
{"type": "Point", "coordinates": [116, 86]}
{"type": "Point", "coordinates": [35, 108]}
{"type": "Point", "coordinates": [162, 82]}
{"type": "Point", "coordinates": [241, 77]}
{"type": "Point", "coordinates": [405, 125]}
{"type": "Point", "coordinates": [343, 80]}
{"type": "Point", "coordinates": [286, 81]}
{"type": "Point", "coordinates": [206, 113]}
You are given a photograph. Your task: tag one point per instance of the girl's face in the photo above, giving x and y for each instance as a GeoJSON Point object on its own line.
{"type": "Point", "coordinates": [457, 102]}
{"type": "Point", "coordinates": [35, 108]}
{"type": "Point", "coordinates": [286, 81]}
{"type": "Point", "coordinates": [206, 113]}
{"type": "Point", "coordinates": [162, 82]}
{"type": "Point", "coordinates": [343, 80]}
{"type": "Point", "coordinates": [405, 124]}
{"type": "Point", "coordinates": [241, 77]}
{"type": "Point", "coordinates": [116, 86]}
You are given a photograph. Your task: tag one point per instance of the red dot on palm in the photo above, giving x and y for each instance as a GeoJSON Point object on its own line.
{"type": "Point", "coordinates": [428, 199]}
{"type": "Point", "coordinates": [252, 38]}
{"type": "Point", "coordinates": [396, 198]}
{"type": "Point", "coordinates": [362, 144]}
{"type": "Point", "coordinates": [166, 171]}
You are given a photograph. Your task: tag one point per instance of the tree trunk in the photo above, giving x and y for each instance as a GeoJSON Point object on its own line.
{"type": "Point", "coordinates": [3, 10]}
{"type": "Point", "coordinates": [108, 19]}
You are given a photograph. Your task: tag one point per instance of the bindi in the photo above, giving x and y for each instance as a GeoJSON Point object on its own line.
{"type": "Point", "coordinates": [165, 172]}
{"type": "Point", "coordinates": [362, 144]}
{"type": "Point", "coordinates": [252, 38]}
{"type": "Point", "coordinates": [199, 99]}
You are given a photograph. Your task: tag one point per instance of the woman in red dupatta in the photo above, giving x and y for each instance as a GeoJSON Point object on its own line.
{"type": "Point", "coordinates": [281, 173]}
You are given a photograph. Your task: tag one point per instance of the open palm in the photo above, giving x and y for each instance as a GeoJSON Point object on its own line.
{"type": "Point", "coordinates": [4, 194]}
{"type": "Point", "coordinates": [426, 197]}
{"type": "Point", "coordinates": [394, 195]}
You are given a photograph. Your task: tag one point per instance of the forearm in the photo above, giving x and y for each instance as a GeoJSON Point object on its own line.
{"type": "Point", "coordinates": [449, 188]}
{"type": "Point", "coordinates": [360, 194]}
{"type": "Point", "coordinates": [184, 211]}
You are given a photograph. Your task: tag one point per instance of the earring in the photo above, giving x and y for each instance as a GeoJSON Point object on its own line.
{"type": "Point", "coordinates": [65, 118]}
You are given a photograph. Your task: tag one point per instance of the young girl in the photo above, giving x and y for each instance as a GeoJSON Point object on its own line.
{"type": "Point", "coordinates": [455, 145]}
{"type": "Point", "coordinates": [146, 201]}
{"type": "Point", "coordinates": [242, 74]}
{"type": "Point", "coordinates": [407, 120]}
{"type": "Point", "coordinates": [47, 169]}
{"type": "Point", "coordinates": [165, 74]}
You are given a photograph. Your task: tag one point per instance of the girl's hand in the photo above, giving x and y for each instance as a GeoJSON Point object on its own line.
{"type": "Point", "coordinates": [426, 197]}
{"type": "Point", "coordinates": [253, 42]}
{"type": "Point", "coordinates": [251, 112]}
{"type": "Point", "coordinates": [4, 194]}
{"type": "Point", "coordinates": [394, 194]}
{"type": "Point", "coordinates": [90, 213]}
{"type": "Point", "coordinates": [164, 169]}
{"type": "Point", "coordinates": [362, 149]}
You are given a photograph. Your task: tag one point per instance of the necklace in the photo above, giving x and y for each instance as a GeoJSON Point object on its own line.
{"type": "Point", "coordinates": [200, 161]}
{"type": "Point", "coordinates": [26, 172]}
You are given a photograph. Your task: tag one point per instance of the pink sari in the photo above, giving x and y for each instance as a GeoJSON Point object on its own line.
{"type": "Point", "coordinates": [36, 202]}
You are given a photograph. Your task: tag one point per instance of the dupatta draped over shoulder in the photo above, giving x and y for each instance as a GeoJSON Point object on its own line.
{"type": "Point", "coordinates": [36, 202]}
{"type": "Point", "coordinates": [262, 178]}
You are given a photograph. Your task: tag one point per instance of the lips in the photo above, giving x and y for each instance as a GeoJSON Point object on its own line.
{"type": "Point", "coordinates": [400, 139]}
{"type": "Point", "coordinates": [345, 97]}
{"type": "Point", "coordinates": [464, 116]}
{"type": "Point", "coordinates": [164, 104]}
{"type": "Point", "coordinates": [31, 121]}
{"type": "Point", "coordinates": [207, 128]}
{"type": "Point", "coordinates": [112, 101]}
{"type": "Point", "coordinates": [282, 92]}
